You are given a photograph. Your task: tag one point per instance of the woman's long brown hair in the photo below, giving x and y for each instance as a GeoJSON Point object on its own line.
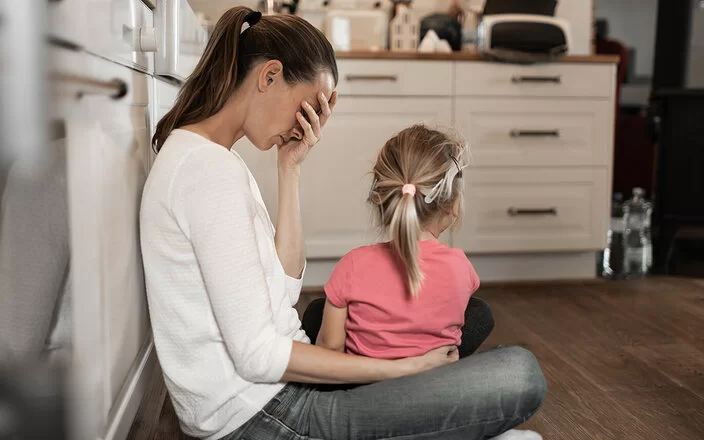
{"type": "Point", "coordinates": [229, 56]}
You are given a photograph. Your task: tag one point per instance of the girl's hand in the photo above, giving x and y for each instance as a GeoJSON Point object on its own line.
{"type": "Point", "coordinates": [294, 152]}
{"type": "Point", "coordinates": [432, 359]}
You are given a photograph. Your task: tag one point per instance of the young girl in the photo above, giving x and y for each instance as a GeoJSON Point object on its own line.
{"type": "Point", "coordinates": [408, 296]}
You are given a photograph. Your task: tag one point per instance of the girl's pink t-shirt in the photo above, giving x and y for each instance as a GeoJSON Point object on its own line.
{"type": "Point", "coordinates": [383, 320]}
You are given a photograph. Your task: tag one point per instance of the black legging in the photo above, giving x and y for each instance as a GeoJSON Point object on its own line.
{"type": "Point", "coordinates": [478, 323]}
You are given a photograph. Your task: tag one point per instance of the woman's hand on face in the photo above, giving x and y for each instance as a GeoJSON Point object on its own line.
{"type": "Point", "coordinates": [432, 359]}
{"type": "Point", "coordinates": [294, 152]}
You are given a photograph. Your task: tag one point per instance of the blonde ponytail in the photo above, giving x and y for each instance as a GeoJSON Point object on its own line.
{"type": "Point", "coordinates": [423, 160]}
{"type": "Point", "coordinates": [405, 230]}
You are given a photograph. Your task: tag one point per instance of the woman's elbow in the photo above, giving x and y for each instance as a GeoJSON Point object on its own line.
{"type": "Point", "coordinates": [264, 365]}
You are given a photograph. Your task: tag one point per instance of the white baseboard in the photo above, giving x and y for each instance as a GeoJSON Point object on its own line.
{"type": "Point", "coordinates": [127, 403]}
{"type": "Point", "coordinates": [535, 267]}
{"type": "Point", "coordinates": [497, 267]}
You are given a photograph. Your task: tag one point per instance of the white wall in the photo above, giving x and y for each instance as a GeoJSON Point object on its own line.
{"type": "Point", "coordinates": [633, 22]}
{"type": "Point", "coordinates": [580, 14]}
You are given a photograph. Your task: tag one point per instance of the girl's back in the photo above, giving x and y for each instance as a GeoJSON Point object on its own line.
{"type": "Point", "coordinates": [383, 320]}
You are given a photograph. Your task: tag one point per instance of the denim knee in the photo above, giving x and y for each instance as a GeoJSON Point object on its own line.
{"type": "Point", "coordinates": [526, 382]}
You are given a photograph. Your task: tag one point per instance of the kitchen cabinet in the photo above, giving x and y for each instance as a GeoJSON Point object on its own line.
{"type": "Point", "coordinates": [336, 176]}
{"type": "Point", "coordinates": [541, 140]}
{"type": "Point", "coordinates": [107, 144]}
{"type": "Point", "coordinates": [103, 102]}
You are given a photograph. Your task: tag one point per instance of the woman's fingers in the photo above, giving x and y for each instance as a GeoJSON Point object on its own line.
{"type": "Point", "coordinates": [313, 118]}
{"type": "Point", "coordinates": [333, 101]}
{"type": "Point", "coordinates": [308, 135]}
{"type": "Point", "coordinates": [326, 106]}
{"type": "Point", "coordinates": [325, 109]}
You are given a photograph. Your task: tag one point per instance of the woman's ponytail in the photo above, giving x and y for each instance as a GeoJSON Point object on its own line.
{"type": "Point", "coordinates": [213, 80]}
{"type": "Point", "coordinates": [405, 230]}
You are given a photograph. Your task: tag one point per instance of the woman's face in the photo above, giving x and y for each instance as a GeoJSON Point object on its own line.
{"type": "Point", "coordinates": [272, 117]}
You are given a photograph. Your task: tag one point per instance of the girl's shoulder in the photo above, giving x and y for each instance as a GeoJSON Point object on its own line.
{"type": "Point", "coordinates": [457, 259]}
{"type": "Point", "coordinates": [370, 252]}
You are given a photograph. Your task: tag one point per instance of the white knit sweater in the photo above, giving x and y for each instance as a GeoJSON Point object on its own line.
{"type": "Point", "coordinates": [221, 305]}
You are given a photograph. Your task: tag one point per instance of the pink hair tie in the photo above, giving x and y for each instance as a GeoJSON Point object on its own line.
{"type": "Point", "coordinates": [409, 188]}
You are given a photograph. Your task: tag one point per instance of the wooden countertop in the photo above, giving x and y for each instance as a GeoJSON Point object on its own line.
{"type": "Point", "coordinates": [460, 56]}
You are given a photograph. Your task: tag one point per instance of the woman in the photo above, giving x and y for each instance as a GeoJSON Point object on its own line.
{"type": "Point", "coordinates": [222, 282]}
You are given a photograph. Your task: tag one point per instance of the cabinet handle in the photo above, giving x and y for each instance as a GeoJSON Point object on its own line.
{"type": "Point", "coordinates": [515, 212]}
{"type": "Point", "coordinates": [534, 133]}
{"type": "Point", "coordinates": [114, 88]}
{"type": "Point", "coordinates": [557, 79]}
{"type": "Point", "coordinates": [392, 78]}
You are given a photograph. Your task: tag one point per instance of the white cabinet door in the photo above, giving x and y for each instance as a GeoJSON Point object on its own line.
{"type": "Point", "coordinates": [107, 166]}
{"type": "Point", "coordinates": [67, 21]}
{"type": "Point", "coordinates": [336, 175]}
{"type": "Point", "coordinates": [114, 28]}
{"type": "Point", "coordinates": [506, 132]}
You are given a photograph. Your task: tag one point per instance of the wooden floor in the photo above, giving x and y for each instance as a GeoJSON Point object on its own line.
{"type": "Point", "coordinates": [623, 360]}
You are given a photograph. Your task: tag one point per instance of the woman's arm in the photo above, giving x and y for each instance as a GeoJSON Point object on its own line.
{"type": "Point", "coordinates": [311, 364]}
{"type": "Point", "coordinates": [332, 332]}
{"type": "Point", "coordinates": [290, 246]}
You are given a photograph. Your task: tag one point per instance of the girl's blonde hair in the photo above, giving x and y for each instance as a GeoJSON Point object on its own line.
{"type": "Point", "coordinates": [432, 162]}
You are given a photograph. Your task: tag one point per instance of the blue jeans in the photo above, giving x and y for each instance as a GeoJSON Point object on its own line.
{"type": "Point", "coordinates": [478, 397]}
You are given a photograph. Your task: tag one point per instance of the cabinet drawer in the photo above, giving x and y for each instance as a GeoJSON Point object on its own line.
{"type": "Point", "coordinates": [552, 80]}
{"type": "Point", "coordinates": [534, 210]}
{"type": "Point", "coordinates": [536, 132]}
{"type": "Point", "coordinates": [394, 78]}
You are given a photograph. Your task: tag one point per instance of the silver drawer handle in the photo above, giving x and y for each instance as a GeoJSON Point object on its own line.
{"type": "Point", "coordinates": [515, 212]}
{"type": "Point", "coordinates": [114, 88]}
{"type": "Point", "coordinates": [557, 79]}
{"type": "Point", "coordinates": [534, 133]}
{"type": "Point", "coordinates": [392, 78]}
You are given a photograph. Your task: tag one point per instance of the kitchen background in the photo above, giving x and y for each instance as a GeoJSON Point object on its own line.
{"type": "Point", "coordinates": [83, 83]}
